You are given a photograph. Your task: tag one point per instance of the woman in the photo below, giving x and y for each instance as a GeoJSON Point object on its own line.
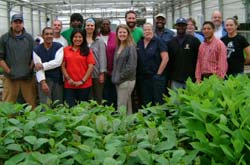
{"type": "Point", "coordinates": [124, 69]}
{"type": "Point", "coordinates": [236, 45]}
{"type": "Point", "coordinates": [99, 50]}
{"type": "Point", "coordinates": [77, 67]}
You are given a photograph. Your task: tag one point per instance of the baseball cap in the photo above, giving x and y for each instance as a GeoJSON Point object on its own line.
{"type": "Point", "coordinates": [160, 15]}
{"type": "Point", "coordinates": [17, 17]}
{"type": "Point", "coordinates": [181, 21]}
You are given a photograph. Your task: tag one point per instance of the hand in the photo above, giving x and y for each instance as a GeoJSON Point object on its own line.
{"type": "Point", "coordinates": [101, 78]}
{"type": "Point", "coordinates": [157, 77]}
{"type": "Point", "coordinates": [78, 83]}
{"type": "Point", "coordinates": [38, 66]}
{"type": "Point", "coordinates": [45, 87]}
{"type": "Point", "coordinates": [71, 82]}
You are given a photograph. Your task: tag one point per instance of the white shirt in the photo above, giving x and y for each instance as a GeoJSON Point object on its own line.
{"type": "Point", "coordinates": [218, 32]}
{"type": "Point", "coordinates": [61, 40]}
{"type": "Point", "coordinates": [40, 75]}
{"type": "Point", "coordinates": [105, 38]}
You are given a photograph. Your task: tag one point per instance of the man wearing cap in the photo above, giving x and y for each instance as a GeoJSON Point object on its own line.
{"type": "Point", "coordinates": [183, 52]}
{"type": "Point", "coordinates": [16, 48]}
{"type": "Point", "coordinates": [76, 21]}
{"type": "Point", "coordinates": [160, 30]}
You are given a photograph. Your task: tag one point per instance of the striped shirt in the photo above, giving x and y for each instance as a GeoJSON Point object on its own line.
{"type": "Point", "coordinates": [212, 59]}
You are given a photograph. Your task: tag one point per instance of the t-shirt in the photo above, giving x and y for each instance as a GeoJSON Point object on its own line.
{"type": "Point", "coordinates": [67, 34]}
{"type": "Point", "coordinates": [77, 66]}
{"type": "Point", "coordinates": [235, 55]}
{"type": "Point", "coordinates": [137, 34]}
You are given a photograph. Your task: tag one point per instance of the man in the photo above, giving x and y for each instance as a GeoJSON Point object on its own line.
{"type": "Point", "coordinates": [219, 28]}
{"type": "Point", "coordinates": [152, 60]}
{"type": "Point", "coordinates": [57, 37]}
{"type": "Point", "coordinates": [48, 59]}
{"type": "Point", "coordinates": [160, 30]}
{"type": "Point", "coordinates": [109, 38]}
{"type": "Point", "coordinates": [76, 21]}
{"type": "Point", "coordinates": [16, 48]}
{"type": "Point", "coordinates": [212, 58]}
{"type": "Point", "coordinates": [137, 32]}
{"type": "Point", "coordinates": [183, 52]}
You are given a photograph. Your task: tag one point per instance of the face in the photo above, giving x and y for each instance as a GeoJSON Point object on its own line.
{"type": "Point", "coordinates": [122, 34]}
{"type": "Point", "coordinates": [57, 26]}
{"type": "Point", "coordinates": [190, 27]}
{"type": "Point", "coordinates": [208, 31]}
{"type": "Point", "coordinates": [90, 27]}
{"type": "Point", "coordinates": [77, 39]}
{"type": "Point", "coordinates": [48, 36]}
{"type": "Point", "coordinates": [17, 26]}
{"type": "Point", "coordinates": [230, 26]}
{"type": "Point", "coordinates": [217, 19]}
{"type": "Point", "coordinates": [160, 22]}
{"type": "Point", "coordinates": [131, 20]}
{"type": "Point", "coordinates": [105, 26]}
{"type": "Point", "coordinates": [148, 31]}
{"type": "Point", "coordinates": [76, 24]}
{"type": "Point", "coordinates": [181, 28]}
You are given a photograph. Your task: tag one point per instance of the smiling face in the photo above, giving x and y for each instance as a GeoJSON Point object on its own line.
{"type": "Point", "coordinates": [17, 26]}
{"type": "Point", "coordinates": [190, 27]}
{"type": "Point", "coordinates": [148, 31]}
{"type": "Point", "coordinates": [57, 26]}
{"type": "Point", "coordinates": [208, 31]}
{"type": "Point", "coordinates": [90, 27]}
{"type": "Point", "coordinates": [122, 34]}
{"type": "Point", "coordinates": [131, 20]}
{"type": "Point", "coordinates": [231, 26]}
{"type": "Point", "coordinates": [160, 22]}
{"type": "Point", "coordinates": [48, 36]}
{"type": "Point", "coordinates": [181, 28]}
{"type": "Point", "coordinates": [217, 18]}
{"type": "Point", "coordinates": [77, 39]}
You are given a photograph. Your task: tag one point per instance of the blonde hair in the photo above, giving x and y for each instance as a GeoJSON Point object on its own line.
{"type": "Point", "coordinates": [129, 41]}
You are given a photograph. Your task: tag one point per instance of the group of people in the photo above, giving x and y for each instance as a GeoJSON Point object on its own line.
{"type": "Point", "coordinates": [82, 63]}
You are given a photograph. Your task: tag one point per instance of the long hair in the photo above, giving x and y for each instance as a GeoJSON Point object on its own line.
{"type": "Point", "coordinates": [84, 49]}
{"type": "Point", "coordinates": [95, 33]}
{"type": "Point", "coordinates": [129, 41]}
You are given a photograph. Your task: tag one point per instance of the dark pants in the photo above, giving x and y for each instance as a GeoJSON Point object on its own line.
{"type": "Point", "coordinates": [74, 96]}
{"type": "Point", "coordinates": [109, 92]}
{"type": "Point", "coordinates": [152, 90]}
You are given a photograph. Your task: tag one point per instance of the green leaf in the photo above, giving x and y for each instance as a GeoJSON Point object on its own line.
{"type": "Point", "coordinates": [228, 152]}
{"type": "Point", "coordinates": [42, 119]}
{"type": "Point", "coordinates": [14, 121]}
{"type": "Point", "coordinates": [238, 146]}
{"type": "Point", "coordinates": [30, 139]}
{"type": "Point", "coordinates": [14, 147]}
{"type": "Point", "coordinates": [16, 159]}
{"type": "Point", "coordinates": [101, 123]}
{"type": "Point", "coordinates": [212, 130]}
{"type": "Point", "coordinates": [144, 156]}
{"type": "Point", "coordinates": [40, 142]}
{"type": "Point", "coordinates": [66, 154]}
{"type": "Point", "coordinates": [109, 161]}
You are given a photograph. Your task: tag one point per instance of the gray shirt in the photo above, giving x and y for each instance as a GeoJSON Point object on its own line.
{"type": "Point", "coordinates": [99, 50]}
{"type": "Point", "coordinates": [17, 53]}
{"type": "Point", "coordinates": [124, 65]}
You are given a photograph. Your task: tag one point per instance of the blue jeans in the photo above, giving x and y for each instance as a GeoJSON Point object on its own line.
{"type": "Point", "coordinates": [152, 89]}
{"type": "Point", "coordinates": [74, 96]}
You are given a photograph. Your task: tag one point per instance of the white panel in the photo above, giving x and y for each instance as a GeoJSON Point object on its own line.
{"type": "Point", "coordinates": [3, 18]}
{"type": "Point", "coordinates": [234, 7]}
{"type": "Point", "coordinates": [27, 19]}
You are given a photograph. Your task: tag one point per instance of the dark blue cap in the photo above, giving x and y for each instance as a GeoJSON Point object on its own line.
{"type": "Point", "coordinates": [181, 21]}
{"type": "Point", "coordinates": [17, 17]}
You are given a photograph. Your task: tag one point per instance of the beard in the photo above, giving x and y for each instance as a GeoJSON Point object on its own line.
{"type": "Point", "coordinates": [131, 25]}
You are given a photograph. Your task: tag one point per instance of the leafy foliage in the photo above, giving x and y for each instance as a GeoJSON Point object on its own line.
{"type": "Point", "coordinates": [204, 124]}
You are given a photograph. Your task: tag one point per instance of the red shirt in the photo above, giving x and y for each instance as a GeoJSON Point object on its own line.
{"type": "Point", "coordinates": [77, 65]}
{"type": "Point", "coordinates": [212, 59]}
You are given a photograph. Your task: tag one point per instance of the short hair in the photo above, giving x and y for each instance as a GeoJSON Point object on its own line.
{"type": "Point", "coordinates": [190, 19]}
{"type": "Point", "coordinates": [149, 24]}
{"type": "Point", "coordinates": [209, 23]}
{"type": "Point", "coordinates": [76, 17]}
{"type": "Point", "coordinates": [130, 11]}
{"type": "Point", "coordinates": [46, 28]}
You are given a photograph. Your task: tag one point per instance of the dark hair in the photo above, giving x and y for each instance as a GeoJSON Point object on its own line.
{"type": "Point", "coordinates": [46, 28]}
{"type": "Point", "coordinates": [208, 23]}
{"type": "Point", "coordinates": [234, 20]}
{"type": "Point", "coordinates": [76, 17]}
{"type": "Point", "coordinates": [130, 11]}
{"type": "Point", "coordinates": [84, 49]}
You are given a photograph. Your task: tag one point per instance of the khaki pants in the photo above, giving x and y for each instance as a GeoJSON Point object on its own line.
{"type": "Point", "coordinates": [124, 91]}
{"type": "Point", "coordinates": [11, 89]}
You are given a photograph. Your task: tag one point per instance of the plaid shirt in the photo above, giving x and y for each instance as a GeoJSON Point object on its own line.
{"type": "Point", "coordinates": [212, 59]}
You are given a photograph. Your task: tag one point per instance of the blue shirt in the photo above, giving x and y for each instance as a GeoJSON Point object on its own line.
{"type": "Point", "coordinates": [200, 37]}
{"type": "Point", "coordinates": [149, 58]}
{"type": "Point", "coordinates": [166, 36]}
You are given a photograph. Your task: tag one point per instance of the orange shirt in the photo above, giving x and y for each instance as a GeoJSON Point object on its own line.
{"type": "Point", "coordinates": [77, 65]}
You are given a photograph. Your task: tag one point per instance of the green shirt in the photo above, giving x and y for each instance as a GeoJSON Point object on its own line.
{"type": "Point", "coordinates": [137, 34]}
{"type": "Point", "coordinates": [66, 34]}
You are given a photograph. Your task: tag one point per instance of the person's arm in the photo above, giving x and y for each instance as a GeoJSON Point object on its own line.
{"type": "Point", "coordinates": [102, 60]}
{"type": "Point", "coordinates": [66, 75]}
{"type": "Point", "coordinates": [198, 68]}
{"type": "Point", "coordinates": [86, 76]}
{"type": "Point", "coordinates": [40, 75]}
{"type": "Point", "coordinates": [247, 51]}
{"type": "Point", "coordinates": [5, 67]}
{"type": "Point", "coordinates": [222, 61]}
{"type": "Point", "coordinates": [3, 64]}
{"type": "Point", "coordinates": [164, 61]}
{"type": "Point", "coordinates": [54, 63]}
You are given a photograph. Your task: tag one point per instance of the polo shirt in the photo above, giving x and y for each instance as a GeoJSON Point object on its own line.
{"type": "Point", "coordinates": [137, 34]}
{"type": "Point", "coordinates": [77, 66]}
{"type": "Point", "coordinates": [149, 58]}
